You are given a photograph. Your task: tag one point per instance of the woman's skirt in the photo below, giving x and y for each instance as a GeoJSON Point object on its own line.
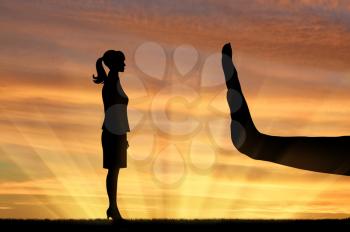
{"type": "Point", "coordinates": [114, 150]}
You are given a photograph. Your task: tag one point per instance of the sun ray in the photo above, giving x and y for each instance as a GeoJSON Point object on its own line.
{"type": "Point", "coordinates": [51, 160]}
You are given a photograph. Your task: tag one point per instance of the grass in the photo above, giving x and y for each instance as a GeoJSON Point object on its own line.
{"type": "Point", "coordinates": [169, 225]}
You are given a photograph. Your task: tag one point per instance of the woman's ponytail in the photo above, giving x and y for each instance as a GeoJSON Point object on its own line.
{"type": "Point", "coordinates": [101, 73]}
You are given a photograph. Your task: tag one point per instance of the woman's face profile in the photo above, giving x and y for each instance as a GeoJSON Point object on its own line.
{"type": "Point", "coordinates": [120, 64]}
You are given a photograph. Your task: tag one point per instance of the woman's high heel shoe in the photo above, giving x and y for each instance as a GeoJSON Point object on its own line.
{"type": "Point", "coordinates": [114, 214]}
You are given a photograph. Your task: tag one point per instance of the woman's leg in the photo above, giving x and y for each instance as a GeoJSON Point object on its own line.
{"type": "Point", "coordinates": [111, 185]}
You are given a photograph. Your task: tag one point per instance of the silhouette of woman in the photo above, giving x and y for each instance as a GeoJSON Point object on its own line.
{"type": "Point", "coordinates": [115, 125]}
{"type": "Point", "coordinates": [319, 154]}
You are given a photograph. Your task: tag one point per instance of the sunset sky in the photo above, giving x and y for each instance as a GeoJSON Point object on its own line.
{"type": "Point", "coordinates": [293, 60]}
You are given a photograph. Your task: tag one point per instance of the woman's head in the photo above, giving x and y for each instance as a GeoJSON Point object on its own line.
{"type": "Point", "coordinates": [114, 60]}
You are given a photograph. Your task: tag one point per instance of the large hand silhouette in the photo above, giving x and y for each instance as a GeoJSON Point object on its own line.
{"type": "Point", "coordinates": [319, 154]}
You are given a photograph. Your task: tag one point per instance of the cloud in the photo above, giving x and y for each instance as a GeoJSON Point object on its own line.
{"type": "Point", "coordinates": [314, 35]}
